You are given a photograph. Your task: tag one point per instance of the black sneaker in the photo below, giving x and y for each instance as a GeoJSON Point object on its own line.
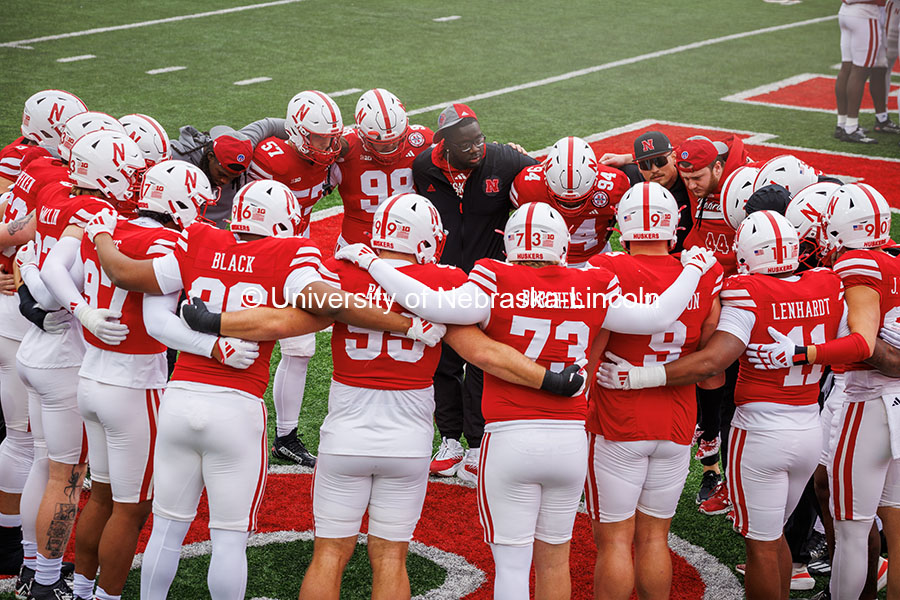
{"type": "Point", "coordinates": [858, 137]}
{"type": "Point", "coordinates": [823, 595]}
{"type": "Point", "coordinates": [886, 126]}
{"type": "Point", "coordinates": [817, 546]}
{"type": "Point", "coordinates": [820, 566]}
{"type": "Point", "coordinates": [708, 486]}
{"type": "Point", "coordinates": [290, 447]}
{"type": "Point", "coordinates": [839, 132]}
{"type": "Point", "coordinates": [57, 591]}
{"type": "Point", "coordinates": [23, 583]}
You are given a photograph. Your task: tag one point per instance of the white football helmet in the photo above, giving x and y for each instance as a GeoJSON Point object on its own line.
{"type": "Point", "coordinates": [787, 171]}
{"type": "Point", "coordinates": [149, 135]}
{"type": "Point", "coordinates": [857, 216]}
{"type": "Point", "coordinates": [176, 188]}
{"type": "Point", "coordinates": [46, 112]}
{"type": "Point", "coordinates": [84, 123]}
{"type": "Point", "coordinates": [766, 242]}
{"type": "Point", "coordinates": [807, 207]}
{"type": "Point", "coordinates": [314, 126]}
{"type": "Point", "coordinates": [107, 161]}
{"type": "Point", "coordinates": [571, 171]}
{"type": "Point", "coordinates": [647, 211]}
{"type": "Point", "coordinates": [536, 231]}
{"type": "Point", "coordinates": [736, 190]}
{"type": "Point", "coordinates": [382, 124]}
{"type": "Point", "coordinates": [267, 208]}
{"type": "Point", "coordinates": [409, 223]}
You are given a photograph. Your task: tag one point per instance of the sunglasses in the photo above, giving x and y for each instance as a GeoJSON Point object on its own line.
{"type": "Point", "coordinates": [657, 161]}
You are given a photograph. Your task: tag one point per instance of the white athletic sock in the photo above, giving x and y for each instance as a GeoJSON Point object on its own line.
{"type": "Point", "coordinates": [851, 125]}
{"type": "Point", "coordinates": [10, 520]}
{"type": "Point", "coordinates": [881, 116]}
{"type": "Point", "coordinates": [512, 566]}
{"type": "Point", "coordinates": [30, 551]}
{"type": "Point", "coordinates": [82, 586]}
{"type": "Point", "coordinates": [287, 392]}
{"type": "Point", "coordinates": [227, 577]}
{"type": "Point", "coordinates": [48, 569]}
{"type": "Point", "coordinates": [161, 557]}
{"type": "Point", "coordinates": [842, 120]}
{"type": "Point", "coordinates": [101, 594]}
{"type": "Point", "coordinates": [851, 558]}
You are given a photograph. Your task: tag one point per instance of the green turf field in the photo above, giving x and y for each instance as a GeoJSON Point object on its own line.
{"type": "Point", "coordinates": [533, 72]}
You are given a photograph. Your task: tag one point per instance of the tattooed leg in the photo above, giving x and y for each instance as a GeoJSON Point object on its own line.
{"type": "Point", "coordinates": [59, 507]}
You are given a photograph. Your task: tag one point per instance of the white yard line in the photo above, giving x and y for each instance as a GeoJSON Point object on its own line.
{"type": "Point", "coordinates": [212, 13]}
{"type": "Point", "coordinates": [165, 70]}
{"type": "Point", "coordinates": [621, 63]}
{"type": "Point", "coordinates": [445, 19]}
{"type": "Point", "coordinates": [252, 80]}
{"type": "Point", "coordinates": [75, 58]}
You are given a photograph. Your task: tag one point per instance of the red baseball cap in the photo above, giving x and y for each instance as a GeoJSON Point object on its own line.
{"type": "Point", "coordinates": [233, 154]}
{"type": "Point", "coordinates": [695, 154]}
{"type": "Point", "coordinates": [451, 116]}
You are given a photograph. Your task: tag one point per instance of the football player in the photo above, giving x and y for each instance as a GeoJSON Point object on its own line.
{"type": "Point", "coordinates": [640, 441]}
{"type": "Point", "coordinates": [584, 192]}
{"type": "Point", "coordinates": [124, 370]}
{"type": "Point", "coordinates": [101, 168]}
{"type": "Point", "coordinates": [864, 459]}
{"type": "Point", "coordinates": [302, 162]}
{"type": "Point", "coordinates": [534, 453]}
{"type": "Point", "coordinates": [766, 300]}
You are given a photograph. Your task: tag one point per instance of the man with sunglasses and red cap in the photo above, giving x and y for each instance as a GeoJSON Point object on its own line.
{"type": "Point", "coordinates": [654, 160]}
{"type": "Point", "coordinates": [468, 181]}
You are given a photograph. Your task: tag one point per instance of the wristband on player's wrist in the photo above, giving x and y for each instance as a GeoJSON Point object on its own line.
{"type": "Point", "coordinates": [801, 356]}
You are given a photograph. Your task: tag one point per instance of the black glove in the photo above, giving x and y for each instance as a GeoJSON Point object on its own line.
{"type": "Point", "coordinates": [28, 306]}
{"type": "Point", "coordinates": [565, 383]}
{"type": "Point", "coordinates": [197, 316]}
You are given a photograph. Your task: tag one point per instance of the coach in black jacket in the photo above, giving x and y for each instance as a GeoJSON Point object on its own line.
{"type": "Point", "coordinates": [468, 181]}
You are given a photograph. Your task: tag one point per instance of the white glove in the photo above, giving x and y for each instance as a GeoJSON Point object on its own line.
{"type": "Point", "coordinates": [891, 334]}
{"type": "Point", "coordinates": [103, 323]}
{"type": "Point", "coordinates": [359, 254]}
{"type": "Point", "coordinates": [426, 331]}
{"type": "Point", "coordinates": [57, 322]}
{"type": "Point", "coordinates": [103, 222]}
{"type": "Point", "coordinates": [237, 353]}
{"type": "Point", "coordinates": [701, 259]}
{"type": "Point", "coordinates": [777, 355]}
{"type": "Point", "coordinates": [26, 255]}
{"type": "Point", "coordinates": [619, 374]}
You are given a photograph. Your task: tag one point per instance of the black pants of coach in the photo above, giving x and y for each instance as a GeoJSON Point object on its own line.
{"type": "Point", "coordinates": [457, 398]}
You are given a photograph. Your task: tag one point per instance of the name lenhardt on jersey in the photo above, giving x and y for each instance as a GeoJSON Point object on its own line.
{"type": "Point", "coordinates": [231, 275]}
{"type": "Point", "coordinates": [521, 296]}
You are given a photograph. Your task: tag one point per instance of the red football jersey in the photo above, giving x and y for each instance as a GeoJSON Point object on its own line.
{"type": "Point", "coordinates": [138, 242]}
{"type": "Point", "coordinates": [590, 228]}
{"type": "Point", "coordinates": [37, 173]}
{"type": "Point", "coordinates": [231, 275]}
{"type": "Point", "coordinates": [667, 413]}
{"type": "Point", "coordinates": [11, 158]}
{"type": "Point", "coordinates": [805, 307]}
{"type": "Point", "coordinates": [364, 183]}
{"type": "Point", "coordinates": [379, 359]}
{"type": "Point", "coordinates": [879, 271]}
{"type": "Point", "coordinates": [56, 210]}
{"type": "Point", "coordinates": [551, 315]}
{"type": "Point", "coordinates": [275, 159]}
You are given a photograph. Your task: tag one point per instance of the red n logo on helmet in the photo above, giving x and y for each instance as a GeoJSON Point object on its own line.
{"type": "Point", "coordinates": [118, 154]}
{"type": "Point", "coordinates": [56, 113]}
{"type": "Point", "coordinates": [301, 113]}
{"type": "Point", "coordinates": [810, 213]}
{"type": "Point", "coordinates": [190, 180]}
{"type": "Point", "coordinates": [647, 145]}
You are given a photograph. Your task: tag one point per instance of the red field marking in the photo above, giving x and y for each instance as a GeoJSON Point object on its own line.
{"type": "Point", "coordinates": [883, 174]}
{"type": "Point", "coordinates": [805, 92]}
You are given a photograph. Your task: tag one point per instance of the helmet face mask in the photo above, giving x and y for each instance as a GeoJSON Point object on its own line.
{"type": "Point", "coordinates": [409, 224]}
{"type": "Point", "coordinates": [314, 126]}
{"type": "Point", "coordinates": [382, 124]}
{"type": "Point", "coordinates": [570, 171]}
{"type": "Point", "coordinates": [536, 232]}
{"type": "Point", "coordinates": [266, 208]}
{"type": "Point", "coordinates": [767, 243]}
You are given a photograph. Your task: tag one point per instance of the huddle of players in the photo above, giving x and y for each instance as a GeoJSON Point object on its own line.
{"type": "Point", "coordinates": [209, 429]}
